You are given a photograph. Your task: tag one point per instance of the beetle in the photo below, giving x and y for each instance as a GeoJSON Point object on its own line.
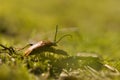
{"type": "Point", "coordinates": [43, 46]}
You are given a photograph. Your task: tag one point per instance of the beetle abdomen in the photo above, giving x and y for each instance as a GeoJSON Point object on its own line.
{"type": "Point", "coordinates": [38, 47]}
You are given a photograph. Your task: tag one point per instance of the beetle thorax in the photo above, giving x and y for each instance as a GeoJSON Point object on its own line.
{"type": "Point", "coordinates": [48, 43]}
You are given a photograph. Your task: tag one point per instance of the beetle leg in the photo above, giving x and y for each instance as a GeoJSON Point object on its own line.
{"type": "Point", "coordinates": [10, 49]}
{"type": "Point", "coordinates": [3, 46]}
{"type": "Point", "coordinates": [25, 47]}
{"type": "Point", "coordinates": [27, 52]}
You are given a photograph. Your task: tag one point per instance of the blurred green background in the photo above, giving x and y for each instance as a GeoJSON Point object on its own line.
{"type": "Point", "coordinates": [94, 24]}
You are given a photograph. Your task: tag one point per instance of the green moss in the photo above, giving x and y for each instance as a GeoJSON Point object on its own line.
{"type": "Point", "coordinates": [94, 26]}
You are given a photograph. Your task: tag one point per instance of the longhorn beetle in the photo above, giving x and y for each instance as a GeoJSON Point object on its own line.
{"type": "Point", "coordinates": [43, 46]}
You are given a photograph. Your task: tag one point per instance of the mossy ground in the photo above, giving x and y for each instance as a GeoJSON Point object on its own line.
{"type": "Point", "coordinates": [93, 51]}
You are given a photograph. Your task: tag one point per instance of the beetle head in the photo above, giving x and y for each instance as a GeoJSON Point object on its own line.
{"type": "Point", "coordinates": [49, 43]}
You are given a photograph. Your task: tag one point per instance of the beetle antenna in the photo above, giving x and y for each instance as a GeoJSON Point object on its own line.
{"type": "Point", "coordinates": [56, 33]}
{"type": "Point", "coordinates": [63, 37]}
